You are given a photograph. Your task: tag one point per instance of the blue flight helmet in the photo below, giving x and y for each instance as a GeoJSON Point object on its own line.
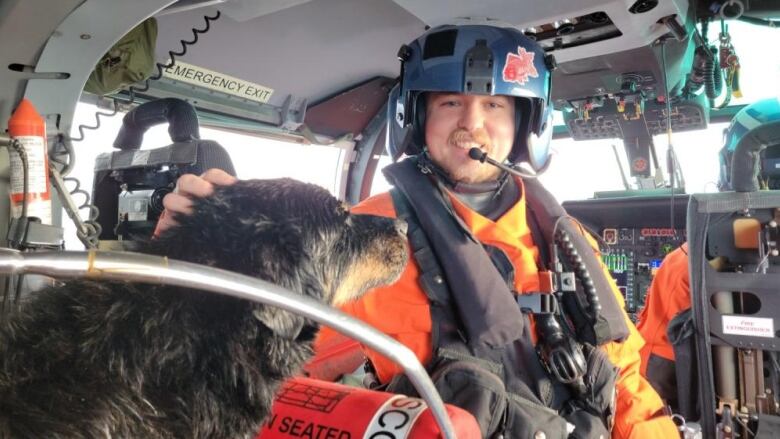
{"type": "Point", "coordinates": [753, 134]}
{"type": "Point", "coordinates": [474, 59]}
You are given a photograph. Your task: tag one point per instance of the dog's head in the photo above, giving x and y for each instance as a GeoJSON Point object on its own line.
{"type": "Point", "coordinates": [294, 234]}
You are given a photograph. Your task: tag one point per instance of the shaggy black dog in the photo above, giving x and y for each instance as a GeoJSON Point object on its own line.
{"type": "Point", "coordinates": [113, 359]}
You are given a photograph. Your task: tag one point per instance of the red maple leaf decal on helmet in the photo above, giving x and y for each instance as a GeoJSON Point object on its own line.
{"type": "Point", "coordinates": [519, 66]}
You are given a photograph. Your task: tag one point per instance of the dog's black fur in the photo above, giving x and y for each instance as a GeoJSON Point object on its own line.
{"type": "Point", "coordinates": [114, 359]}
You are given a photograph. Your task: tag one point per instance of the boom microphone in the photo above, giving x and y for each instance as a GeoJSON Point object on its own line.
{"type": "Point", "coordinates": [482, 157]}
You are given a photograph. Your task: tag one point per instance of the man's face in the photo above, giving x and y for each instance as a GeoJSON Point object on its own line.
{"type": "Point", "coordinates": [455, 123]}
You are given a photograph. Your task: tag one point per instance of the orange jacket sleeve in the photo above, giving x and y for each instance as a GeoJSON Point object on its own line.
{"type": "Point", "coordinates": [668, 295]}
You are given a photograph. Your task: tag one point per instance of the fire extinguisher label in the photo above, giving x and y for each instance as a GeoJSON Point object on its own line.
{"type": "Point", "coordinates": [36, 164]}
{"type": "Point", "coordinates": [38, 196]}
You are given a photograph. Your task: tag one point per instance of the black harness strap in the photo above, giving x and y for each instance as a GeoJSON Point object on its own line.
{"type": "Point", "coordinates": [539, 239]}
{"type": "Point", "coordinates": [610, 323]}
{"type": "Point", "coordinates": [479, 295]}
{"type": "Point", "coordinates": [431, 279]}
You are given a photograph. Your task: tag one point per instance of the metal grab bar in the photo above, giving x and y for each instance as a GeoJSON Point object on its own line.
{"type": "Point", "coordinates": [155, 269]}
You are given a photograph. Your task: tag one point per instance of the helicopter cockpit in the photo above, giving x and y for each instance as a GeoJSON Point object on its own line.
{"type": "Point", "coordinates": [132, 95]}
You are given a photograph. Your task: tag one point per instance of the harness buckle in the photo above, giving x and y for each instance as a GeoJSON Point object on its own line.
{"type": "Point", "coordinates": [537, 303]}
{"type": "Point", "coordinates": [564, 281]}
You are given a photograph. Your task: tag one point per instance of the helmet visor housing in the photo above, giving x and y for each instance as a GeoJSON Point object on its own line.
{"type": "Point", "coordinates": [476, 59]}
{"type": "Point", "coordinates": [754, 132]}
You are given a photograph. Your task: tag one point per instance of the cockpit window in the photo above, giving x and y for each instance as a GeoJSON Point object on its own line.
{"type": "Point", "coordinates": [579, 169]}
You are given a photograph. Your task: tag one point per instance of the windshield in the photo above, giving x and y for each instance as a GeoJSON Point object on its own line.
{"type": "Point", "coordinates": [579, 169]}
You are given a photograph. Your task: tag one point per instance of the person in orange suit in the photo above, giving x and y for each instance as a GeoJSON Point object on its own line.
{"type": "Point", "coordinates": [668, 295]}
{"type": "Point", "coordinates": [441, 122]}
{"type": "Point", "coordinates": [476, 303]}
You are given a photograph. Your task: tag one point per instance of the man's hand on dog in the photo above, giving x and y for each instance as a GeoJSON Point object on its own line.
{"type": "Point", "coordinates": [190, 186]}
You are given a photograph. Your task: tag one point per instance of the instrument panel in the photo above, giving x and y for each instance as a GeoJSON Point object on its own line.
{"type": "Point", "coordinates": [635, 234]}
{"type": "Point", "coordinates": [633, 255]}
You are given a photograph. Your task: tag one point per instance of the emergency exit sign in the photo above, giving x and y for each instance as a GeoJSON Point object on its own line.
{"type": "Point", "coordinates": [202, 77]}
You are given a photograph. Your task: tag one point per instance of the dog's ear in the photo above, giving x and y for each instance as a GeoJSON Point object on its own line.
{"type": "Point", "coordinates": [283, 323]}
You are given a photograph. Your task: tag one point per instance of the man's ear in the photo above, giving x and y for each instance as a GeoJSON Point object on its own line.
{"type": "Point", "coordinates": [283, 323]}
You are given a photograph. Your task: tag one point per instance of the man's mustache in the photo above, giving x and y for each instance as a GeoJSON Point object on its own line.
{"type": "Point", "coordinates": [461, 136]}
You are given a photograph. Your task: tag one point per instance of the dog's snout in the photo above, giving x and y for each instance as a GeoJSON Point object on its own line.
{"type": "Point", "coordinates": [401, 226]}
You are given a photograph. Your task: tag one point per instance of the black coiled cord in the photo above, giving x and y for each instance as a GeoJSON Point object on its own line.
{"type": "Point", "coordinates": [574, 260]}
{"type": "Point", "coordinates": [173, 55]}
{"type": "Point", "coordinates": [89, 233]}
{"type": "Point", "coordinates": [133, 89]}
{"type": "Point", "coordinates": [713, 79]}
{"type": "Point", "coordinates": [81, 128]}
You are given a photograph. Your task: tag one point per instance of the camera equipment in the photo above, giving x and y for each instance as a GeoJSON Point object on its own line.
{"type": "Point", "coordinates": [131, 183]}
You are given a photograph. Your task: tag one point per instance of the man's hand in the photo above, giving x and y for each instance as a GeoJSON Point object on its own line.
{"type": "Point", "coordinates": [189, 187]}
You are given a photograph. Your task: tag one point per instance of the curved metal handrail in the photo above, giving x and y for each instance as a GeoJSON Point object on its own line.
{"type": "Point", "coordinates": [154, 269]}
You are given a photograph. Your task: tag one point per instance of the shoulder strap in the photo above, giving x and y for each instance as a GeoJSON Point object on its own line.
{"type": "Point", "coordinates": [479, 294]}
{"type": "Point", "coordinates": [610, 324]}
{"type": "Point", "coordinates": [431, 275]}
{"type": "Point", "coordinates": [432, 279]}
{"type": "Point", "coordinates": [539, 238]}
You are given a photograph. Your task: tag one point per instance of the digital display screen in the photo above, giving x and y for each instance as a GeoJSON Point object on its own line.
{"type": "Point", "coordinates": [620, 279]}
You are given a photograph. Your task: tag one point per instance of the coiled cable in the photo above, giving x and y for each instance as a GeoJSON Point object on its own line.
{"type": "Point", "coordinates": [575, 261]}
{"type": "Point", "coordinates": [133, 89]}
{"type": "Point", "coordinates": [713, 78]}
{"type": "Point", "coordinates": [172, 55]}
{"type": "Point", "coordinates": [98, 114]}
{"type": "Point", "coordinates": [563, 244]}
{"type": "Point", "coordinates": [93, 229]}
{"type": "Point", "coordinates": [88, 231]}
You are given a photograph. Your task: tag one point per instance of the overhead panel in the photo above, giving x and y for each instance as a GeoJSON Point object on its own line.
{"type": "Point", "coordinates": [639, 28]}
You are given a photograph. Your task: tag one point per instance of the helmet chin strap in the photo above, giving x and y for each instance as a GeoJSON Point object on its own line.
{"type": "Point", "coordinates": [427, 165]}
{"type": "Point", "coordinates": [490, 198]}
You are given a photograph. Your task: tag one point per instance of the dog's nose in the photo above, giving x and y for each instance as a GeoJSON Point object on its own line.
{"type": "Point", "coordinates": [401, 227]}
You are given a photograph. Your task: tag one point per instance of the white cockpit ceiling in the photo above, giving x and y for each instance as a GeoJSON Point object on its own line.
{"type": "Point", "coordinates": [316, 48]}
{"type": "Point", "coordinates": [311, 50]}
